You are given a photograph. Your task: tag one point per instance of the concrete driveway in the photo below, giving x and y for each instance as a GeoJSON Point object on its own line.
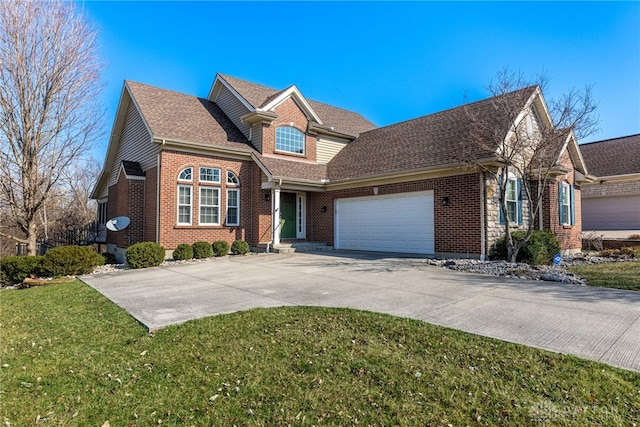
{"type": "Point", "coordinates": [593, 323]}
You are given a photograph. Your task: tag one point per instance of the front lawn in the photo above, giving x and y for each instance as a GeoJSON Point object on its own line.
{"type": "Point", "coordinates": [71, 357]}
{"type": "Point", "coordinates": [619, 275]}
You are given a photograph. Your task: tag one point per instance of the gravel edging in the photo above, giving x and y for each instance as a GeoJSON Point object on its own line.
{"type": "Point", "coordinates": [521, 270]}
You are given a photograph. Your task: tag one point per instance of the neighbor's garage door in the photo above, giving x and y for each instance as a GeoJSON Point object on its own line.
{"type": "Point", "coordinates": [611, 213]}
{"type": "Point", "coordinates": [390, 223]}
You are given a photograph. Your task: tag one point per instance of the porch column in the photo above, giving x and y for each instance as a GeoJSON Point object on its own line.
{"type": "Point", "coordinates": [276, 216]}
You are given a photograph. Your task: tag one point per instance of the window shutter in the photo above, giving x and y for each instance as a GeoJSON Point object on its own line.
{"type": "Point", "coordinates": [560, 203]}
{"type": "Point", "coordinates": [519, 193]}
{"type": "Point", "coordinates": [572, 203]}
{"type": "Point", "coordinates": [499, 206]}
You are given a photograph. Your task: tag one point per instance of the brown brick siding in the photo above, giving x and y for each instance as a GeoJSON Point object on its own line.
{"type": "Point", "coordinates": [570, 236]}
{"type": "Point", "coordinates": [457, 226]}
{"type": "Point", "coordinates": [126, 198]}
{"type": "Point", "coordinates": [261, 219]}
{"type": "Point", "coordinates": [150, 206]}
{"type": "Point", "coordinates": [289, 114]}
{"type": "Point", "coordinates": [171, 234]}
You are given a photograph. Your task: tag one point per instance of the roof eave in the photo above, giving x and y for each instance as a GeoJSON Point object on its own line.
{"type": "Point", "coordinates": [331, 132]}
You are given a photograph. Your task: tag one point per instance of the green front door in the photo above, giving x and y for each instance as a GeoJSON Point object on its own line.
{"type": "Point", "coordinates": [288, 214]}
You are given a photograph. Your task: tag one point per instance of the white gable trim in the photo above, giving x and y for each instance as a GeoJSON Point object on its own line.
{"type": "Point", "coordinates": [220, 80]}
{"type": "Point", "coordinates": [296, 95]}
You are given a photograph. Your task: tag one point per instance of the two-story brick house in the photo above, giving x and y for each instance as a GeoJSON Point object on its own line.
{"type": "Point", "coordinates": [254, 163]}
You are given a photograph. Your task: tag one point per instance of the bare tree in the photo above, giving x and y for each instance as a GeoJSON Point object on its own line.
{"type": "Point", "coordinates": [526, 147]}
{"type": "Point", "coordinates": [49, 113]}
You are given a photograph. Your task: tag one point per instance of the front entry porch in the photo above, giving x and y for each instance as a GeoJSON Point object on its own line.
{"type": "Point", "coordinates": [289, 215]}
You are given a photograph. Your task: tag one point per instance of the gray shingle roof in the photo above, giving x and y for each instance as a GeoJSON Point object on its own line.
{"type": "Point", "coordinates": [177, 116]}
{"type": "Point", "coordinates": [617, 156]}
{"type": "Point", "coordinates": [439, 139]}
{"type": "Point", "coordinates": [341, 120]}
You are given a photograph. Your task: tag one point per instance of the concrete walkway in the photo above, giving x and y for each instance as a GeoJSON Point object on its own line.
{"type": "Point", "coordinates": [593, 323]}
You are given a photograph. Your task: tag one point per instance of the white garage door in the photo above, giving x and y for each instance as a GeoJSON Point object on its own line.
{"type": "Point", "coordinates": [390, 223]}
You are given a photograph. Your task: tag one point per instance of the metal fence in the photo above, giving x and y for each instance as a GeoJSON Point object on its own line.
{"type": "Point", "coordinates": [87, 234]}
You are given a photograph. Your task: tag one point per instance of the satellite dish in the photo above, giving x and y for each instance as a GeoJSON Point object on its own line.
{"type": "Point", "coordinates": [118, 223]}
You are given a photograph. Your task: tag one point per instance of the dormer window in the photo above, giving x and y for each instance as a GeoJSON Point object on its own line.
{"type": "Point", "coordinates": [289, 140]}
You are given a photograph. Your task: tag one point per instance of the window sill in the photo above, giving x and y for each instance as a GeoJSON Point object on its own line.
{"type": "Point", "coordinates": [567, 227]}
{"type": "Point", "coordinates": [289, 153]}
{"type": "Point", "coordinates": [195, 226]}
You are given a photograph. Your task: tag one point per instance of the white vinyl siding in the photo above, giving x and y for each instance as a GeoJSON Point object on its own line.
{"type": "Point", "coordinates": [328, 147]}
{"type": "Point", "coordinates": [401, 223]}
{"type": "Point", "coordinates": [233, 108]}
{"type": "Point", "coordinates": [256, 136]}
{"type": "Point", "coordinates": [135, 145]}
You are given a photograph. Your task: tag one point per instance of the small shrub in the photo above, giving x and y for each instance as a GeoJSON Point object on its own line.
{"type": "Point", "coordinates": [70, 261]}
{"type": "Point", "coordinates": [15, 269]}
{"type": "Point", "coordinates": [145, 254]}
{"type": "Point", "coordinates": [239, 247]}
{"type": "Point", "coordinates": [634, 237]}
{"type": "Point", "coordinates": [220, 248]}
{"type": "Point", "coordinates": [592, 241]}
{"type": "Point", "coordinates": [202, 250]}
{"type": "Point", "coordinates": [182, 252]}
{"type": "Point", "coordinates": [540, 248]}
{"type": "Point", "coordinates": [109, 258]}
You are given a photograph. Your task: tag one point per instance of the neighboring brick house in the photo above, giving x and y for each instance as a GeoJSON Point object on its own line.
{"type": "Point", "coordinates": [612, 201]}
{"type": "Point", "coordinates": [263, 165]}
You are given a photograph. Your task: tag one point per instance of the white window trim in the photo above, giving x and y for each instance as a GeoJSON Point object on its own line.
{"type": "Point", "coordinates": [200, 222]}
{"type": "Point", "coordinates": [183, 179]}
{"type": "Point", "coordinates": [514, 180]}
{"type": "Point", "coordinates": [190, 205]}
{"type": "Point", "coordinates": [229, 182]}
{"type": "Point", "coordinates": [237, 191]}
{"type": "Point", "coordinates": [304, 142]}
{"type": "Point", "coordinates": [207, 181]}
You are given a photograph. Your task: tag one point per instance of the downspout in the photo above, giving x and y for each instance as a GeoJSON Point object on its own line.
{"type": "Point", "coordinates": [483, 228]}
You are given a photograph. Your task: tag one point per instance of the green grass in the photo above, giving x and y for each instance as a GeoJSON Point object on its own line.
{"type": "Point", "coordinates": [619, 275]}
{"type": "Point", "coordinates": [71, 357]}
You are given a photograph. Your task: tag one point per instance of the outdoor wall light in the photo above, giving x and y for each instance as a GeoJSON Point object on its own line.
{"type": "Point", "coordinates": [323, 209]}
{"type": "Point", "coordinates": [267, 196]}
{"type": "Point", "coordinates": [445, 201]}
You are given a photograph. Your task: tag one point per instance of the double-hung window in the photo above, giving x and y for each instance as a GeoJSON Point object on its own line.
{"type": "Point", "coordinates": [185, 196]}
{"type": "Point", "coordinates": [185, 203]}
{"type": "Point", "coordinates": [209, 206]}
{"type": "Point", "coordinates": [566, 204]}
{"type": "Point", "coordinates": [512, 200]}
{"type": "Point", "coordinates": [233, 206]}
{"type": "Point", "coordinates": [233, 199]}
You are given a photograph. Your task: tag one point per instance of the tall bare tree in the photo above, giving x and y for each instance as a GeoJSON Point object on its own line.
{"type": "Point", "coordinates": [49, 111]}
{"type": "Point", "coordinates": [521, 148]}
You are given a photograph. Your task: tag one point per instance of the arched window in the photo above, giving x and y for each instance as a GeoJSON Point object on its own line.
{"type": "Point", "coordinates": [186, 174]}
{"type": "Point", "coordinates": [289, 140]}
{"type": "Point", "coordinates": [232, 178]}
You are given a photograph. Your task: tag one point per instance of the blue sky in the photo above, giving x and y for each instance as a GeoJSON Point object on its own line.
{"type": "Point", "coordinates": [389, 61]}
